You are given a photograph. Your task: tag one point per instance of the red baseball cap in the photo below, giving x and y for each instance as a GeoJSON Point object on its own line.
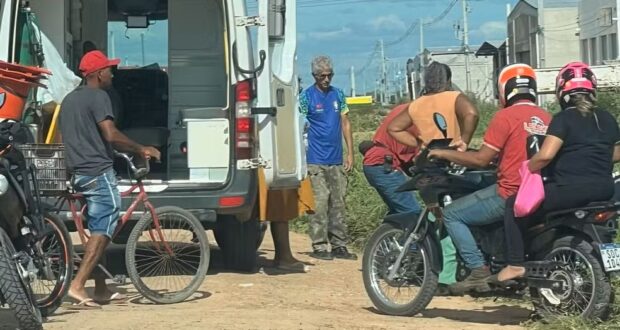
{"type": "Point", "coordinates": [94, 61]}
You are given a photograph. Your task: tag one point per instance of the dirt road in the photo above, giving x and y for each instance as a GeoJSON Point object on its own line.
{"type": "Point", "coordinates": [330, 296]}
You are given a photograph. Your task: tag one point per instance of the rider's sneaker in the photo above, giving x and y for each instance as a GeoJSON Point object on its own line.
{"type": "Point", "coordinates": [444, 290]}
{"type": "Point", "coordinates": [476, 281]}
{"type": "Point", "coordinates": [342, 253]}
{"type": "Point", "coordinates": [323, 255]}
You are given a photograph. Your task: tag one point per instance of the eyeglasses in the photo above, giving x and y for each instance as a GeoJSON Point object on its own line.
{"type": "Point", "coordinates": [324, 76]}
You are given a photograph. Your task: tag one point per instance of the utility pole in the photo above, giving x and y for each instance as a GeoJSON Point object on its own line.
{"type": "Point", "coordinates": [508, 49]}
{"type": "Point", "coordinates": [352, 81]}
{"type": "Point", "coordinates": [383, 73]}
{"type": "Point", "coordinates": [617, 50]}
{"type": "Point", "coordinates": [541, 34]}
{"type": "Point", "coordinates": [466, 45]}
{"type": "Point", "coordinates": [365, 91]}
{"type": "Point", "coordinates": [142, 45]}
{"type": "Point", "coordinates": [422, 35]}
{"type": "Point", "coordinates": [112, 45]}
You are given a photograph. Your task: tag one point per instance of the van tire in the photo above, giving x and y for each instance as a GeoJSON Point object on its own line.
{"type": "Point", "coordinates": [238, 242]}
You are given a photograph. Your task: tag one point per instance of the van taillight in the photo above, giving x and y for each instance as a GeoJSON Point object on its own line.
{"type": "Point", "coordinates": [244, 127]}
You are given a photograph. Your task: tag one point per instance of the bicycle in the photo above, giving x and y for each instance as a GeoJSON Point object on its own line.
{"type": "Point", "coordinates": [154, 235]}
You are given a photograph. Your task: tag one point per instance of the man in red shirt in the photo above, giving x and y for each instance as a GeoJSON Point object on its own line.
{"type": "Point", "coordinates": [507, 136]}
{"type": "Point", "coordinates": [386, 177]}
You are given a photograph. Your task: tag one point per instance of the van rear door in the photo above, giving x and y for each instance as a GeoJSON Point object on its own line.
{"type": "Point", "coordinates": [280, 134]}
{"type": "Point", "coordinates": [8, 15]}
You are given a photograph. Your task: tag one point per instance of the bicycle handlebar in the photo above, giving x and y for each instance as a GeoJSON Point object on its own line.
{"type": "Point", "coordinates": [137, 172]}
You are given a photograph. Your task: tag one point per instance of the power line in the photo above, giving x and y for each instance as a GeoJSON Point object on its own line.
{"type": "Point", "coordinates": [443, 14]}
{"type": "Point", "coordinates": [415, 24]}
{"type": "Point", "coordinates": [369, 61]}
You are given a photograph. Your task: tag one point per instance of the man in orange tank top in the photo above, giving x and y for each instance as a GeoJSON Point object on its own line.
{"type": "Point", "coordinates": [461, 120]}
{"type": "Point", "coordinates": [460, 116]}
{"type": "Point", "coordinates": [506, 136]}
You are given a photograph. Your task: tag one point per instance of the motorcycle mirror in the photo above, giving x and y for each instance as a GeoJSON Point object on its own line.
{"type": "Point", "coordinates": [440, 122]}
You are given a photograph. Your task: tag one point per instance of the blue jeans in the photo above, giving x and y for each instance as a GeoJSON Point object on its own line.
{"type": "Point", "coordinates": [483, 207]}
{"type": "Point", "coordinates": [386, 185]}
{"type": "Point", "coordinates": [103, 201]}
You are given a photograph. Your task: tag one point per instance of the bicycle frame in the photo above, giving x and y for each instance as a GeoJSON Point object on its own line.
{"type": "Point", "coordinates": [141, 198]}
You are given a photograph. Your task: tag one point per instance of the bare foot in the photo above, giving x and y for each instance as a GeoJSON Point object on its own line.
{"type": "Point", "coordinates": [510, 272]}
{"type": "Point", "coordinates": [290, 264]}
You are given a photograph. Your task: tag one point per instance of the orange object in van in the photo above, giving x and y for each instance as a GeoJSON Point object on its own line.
{"type": "Point", "coordinates": [16, 81]}
{"type": "Point", "coordinates": [11, 105]}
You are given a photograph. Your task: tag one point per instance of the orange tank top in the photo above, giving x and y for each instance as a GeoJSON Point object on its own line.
{"type": "Point", "coordinates": [422, 113]}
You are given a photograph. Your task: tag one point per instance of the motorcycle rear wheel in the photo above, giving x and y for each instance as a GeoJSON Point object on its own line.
{"type": "Point", "coordinates": [588, 292]}
{"type": "Point", "coordinates": [415, 272]}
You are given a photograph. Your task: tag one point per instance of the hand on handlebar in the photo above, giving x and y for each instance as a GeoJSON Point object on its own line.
{"type": "Point", "coordinates": [459, 145]}
{"type": "Point", "coordinates": [435, 154]}
{"type": "Point", "coordinates": [150, 152]}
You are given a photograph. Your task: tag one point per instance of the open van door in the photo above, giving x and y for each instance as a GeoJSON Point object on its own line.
{"type": "Point", "coordinates": [8, 14]}
{"type": "Point", "coordinates": [281, 131]}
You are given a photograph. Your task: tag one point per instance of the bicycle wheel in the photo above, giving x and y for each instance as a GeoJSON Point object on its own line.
{"type": "Point", "coordinates": [51, 286]}
{"type": "Point", "coordinates": [168, 263]}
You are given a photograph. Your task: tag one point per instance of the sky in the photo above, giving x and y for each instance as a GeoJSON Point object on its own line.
{"type": "Point", "coordinates": [349, 30]}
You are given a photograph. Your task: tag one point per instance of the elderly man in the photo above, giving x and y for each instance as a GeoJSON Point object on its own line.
{"type": "Point", "coordinates": [327, 114]}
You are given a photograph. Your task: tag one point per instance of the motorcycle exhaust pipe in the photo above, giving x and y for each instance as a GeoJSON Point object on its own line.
{"type": "Point", "coordinates": [4, 185]}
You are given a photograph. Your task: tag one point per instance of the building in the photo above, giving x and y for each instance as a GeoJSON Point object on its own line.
{"type": "Point", "coordinates": [480, 68]}
{"type": "Point", "coordinates": [598, 31]}
{"type": "Point", "coordinates": [544, 33]}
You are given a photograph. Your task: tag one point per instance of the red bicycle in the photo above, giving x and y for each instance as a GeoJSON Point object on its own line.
{"type": "Point", "coordinates": [167, 253]}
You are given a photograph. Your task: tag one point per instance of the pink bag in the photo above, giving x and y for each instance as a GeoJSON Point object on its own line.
{"type": "Point", "coordinates": [531, 192]}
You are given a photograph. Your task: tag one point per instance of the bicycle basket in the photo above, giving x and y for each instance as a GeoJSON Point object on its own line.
{"type": "Point", "coordinates": [49, 163]}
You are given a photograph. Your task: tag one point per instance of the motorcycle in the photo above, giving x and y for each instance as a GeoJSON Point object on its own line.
{"type": "Point", "coordinates": [36, 264]}
{"type": "Point", "coordinates": [570, 254]}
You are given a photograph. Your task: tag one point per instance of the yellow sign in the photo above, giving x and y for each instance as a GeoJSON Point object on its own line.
{"type": "Point", "coordinates": [359, 100]}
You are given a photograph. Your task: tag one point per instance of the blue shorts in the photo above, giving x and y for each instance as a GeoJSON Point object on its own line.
{"type": "Point", "coordinates": [103, 201]}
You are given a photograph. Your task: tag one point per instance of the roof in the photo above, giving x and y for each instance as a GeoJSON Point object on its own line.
{"type": "Point", "coordinates": [449, 50]}
{"type": "Point", "coordinates": [489, 48]}
{"type": "Point", "coordinates": [546, 4]}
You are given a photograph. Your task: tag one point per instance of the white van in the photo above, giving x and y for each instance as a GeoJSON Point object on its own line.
{"type": "Point", "coordinates": [217, 108]}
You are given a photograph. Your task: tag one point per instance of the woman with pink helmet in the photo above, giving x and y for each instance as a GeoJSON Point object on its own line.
{"type": "Point", "coordinates": [577, 156]}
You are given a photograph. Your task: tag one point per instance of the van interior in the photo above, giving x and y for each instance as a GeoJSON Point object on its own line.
{"type": "Point", "coordinates": [173, 62]}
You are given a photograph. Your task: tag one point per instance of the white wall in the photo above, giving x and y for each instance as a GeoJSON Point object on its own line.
{"type": "Point", "coordinates": [560, 42]}
{"type": "Point", "coordinates": [596, 28]}
{"type": "Point", "coordinates": [51, 17]}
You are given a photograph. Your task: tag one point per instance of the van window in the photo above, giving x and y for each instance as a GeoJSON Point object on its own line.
{"type": "Point", "coordinates": [139, 47]}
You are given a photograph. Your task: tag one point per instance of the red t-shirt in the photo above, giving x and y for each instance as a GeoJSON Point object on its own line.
{"type": "Point", "coordinates": [385, 144]}
{"type": "Point", "coordinates": [507, 134]}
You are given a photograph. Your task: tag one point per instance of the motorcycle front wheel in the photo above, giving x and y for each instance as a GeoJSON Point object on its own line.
{"type": "Point", "coordinates": [15, 290]}
{"type": "Point", "coordinates": [415, 283]}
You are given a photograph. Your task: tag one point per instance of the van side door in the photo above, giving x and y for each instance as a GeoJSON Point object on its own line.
{"type": "Point", "coordinates": [8, 15]}
{"type": "Point", "coordinates": [280, 133]}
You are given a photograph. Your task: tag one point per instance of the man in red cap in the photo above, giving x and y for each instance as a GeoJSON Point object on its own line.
{"type": "Point", "coordinates": [90, 136]}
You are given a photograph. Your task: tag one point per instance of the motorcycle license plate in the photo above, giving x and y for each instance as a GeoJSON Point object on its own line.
{"type": "Point", "coordinates": [611, 256]}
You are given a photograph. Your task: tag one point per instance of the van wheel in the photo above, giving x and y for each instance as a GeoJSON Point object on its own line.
{"type": "Point", "coordinates": [238, 242]}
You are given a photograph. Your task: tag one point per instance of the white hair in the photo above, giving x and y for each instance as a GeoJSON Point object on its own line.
{"type": "Point", "coordinates": [321, 63]}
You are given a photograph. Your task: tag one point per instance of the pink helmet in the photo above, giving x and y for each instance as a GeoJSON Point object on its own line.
{"type": "Point", "coordinates": [575, 78]}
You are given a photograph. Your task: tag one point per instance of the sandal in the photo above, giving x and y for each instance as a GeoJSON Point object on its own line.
{"type": "Point", "coordinates": [115, 298]}
{"type": "Point", "coordinates": [83, 304]}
